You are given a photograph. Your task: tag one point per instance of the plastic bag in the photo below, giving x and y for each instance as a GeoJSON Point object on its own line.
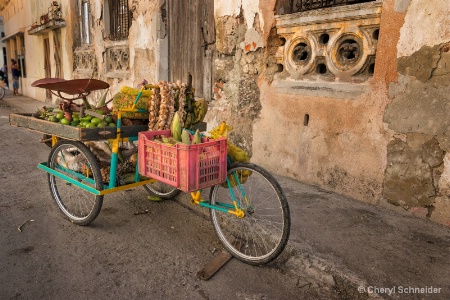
{"type": "Point", "coordinates": [125, 99]}
{"type": "Point", "coordinates": [235, 154]}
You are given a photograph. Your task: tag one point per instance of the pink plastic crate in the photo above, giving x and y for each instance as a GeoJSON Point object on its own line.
{"type": "Point", "coordinates": [186, 167]}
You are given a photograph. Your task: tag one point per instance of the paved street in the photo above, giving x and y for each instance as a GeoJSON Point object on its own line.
{"type": "Point", "coordinates": [339, 248]}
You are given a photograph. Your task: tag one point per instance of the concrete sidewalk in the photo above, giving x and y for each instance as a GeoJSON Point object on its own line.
{"type": "Point", "coordinates": [348, 249]}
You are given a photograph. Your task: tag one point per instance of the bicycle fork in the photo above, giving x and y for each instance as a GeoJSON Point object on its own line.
{"type": "Point", "coordinates": [234, 208]}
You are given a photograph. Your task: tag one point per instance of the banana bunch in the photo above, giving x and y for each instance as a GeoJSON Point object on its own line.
{"type": "Point", "coordinates": [189, 121]}
{"type": "Point", "coordinates": [200, 109]}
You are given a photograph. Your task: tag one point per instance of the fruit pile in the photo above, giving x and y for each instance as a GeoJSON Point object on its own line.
{"type": "Point", "coordinates": [88, 121]}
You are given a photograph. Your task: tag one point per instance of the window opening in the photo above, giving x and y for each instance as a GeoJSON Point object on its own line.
{"type": "Point", "coordinates": [305, 5]}
{"type": "Point", "coordinates": [120, 19]}
{"type": "Point", "coordinates": [83, 16]}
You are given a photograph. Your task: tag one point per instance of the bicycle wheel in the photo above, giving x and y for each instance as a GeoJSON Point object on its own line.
{"type": "Point", "coordinates": [2, 93]}
{"type": "Point", "coordinates": [262, 234]}
{"type": "Point", "coordinates": [46, 138]}
{"type": "Point", "coordinates": [75, 160]}
{"type": "Point", "coordinates": [161, 190]}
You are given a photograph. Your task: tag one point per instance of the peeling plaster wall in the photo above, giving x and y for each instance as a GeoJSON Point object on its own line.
{"type": "Point", "coordinates": [385, 144]}
{"type": "Point", "coordinates": [239, 63]}
{"type": "Point", "coordinates": [147, 43]}
{"type": "Point", "coordinates": [417, 176]}
{"type": "Point", "coordinates": [426, 23]}
{"type": "Point", "coordinates": [343, 146]}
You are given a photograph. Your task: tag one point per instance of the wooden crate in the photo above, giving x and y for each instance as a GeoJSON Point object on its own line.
{"type": "Point", "coordinates": [28, 121]}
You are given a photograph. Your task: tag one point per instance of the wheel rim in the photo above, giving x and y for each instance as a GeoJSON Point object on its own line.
{"type": "Point", "coordinates": [261, 235]}
{"type": "Point", "coordinates": [161, 189]}
{"type": "Point", "coordinates": [73, 201]}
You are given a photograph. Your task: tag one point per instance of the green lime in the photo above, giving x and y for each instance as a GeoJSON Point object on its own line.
{"type": "Point", "coordinates": [108, 119]}
{"type": "Point", "coordinates": [64, 121]}
{"type": "Point", "coordinates": [59, 116]}
{"type": "Point", "coordinates": [102, 124]}
{"type": "Point", "coordinates": [88, 118]}
{"type": "Point", "coordinates": [90, 125]}
{"type": "Point", "coordinates": [96, 121]}
{"type": "Point", "coordinates": [112, 125]}
{"type": "Point", "coordinates": [75, 119]}
{"type": "Point", "coordinates": [53, 119]}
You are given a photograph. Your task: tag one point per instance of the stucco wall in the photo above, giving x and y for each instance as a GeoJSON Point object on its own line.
{"type": "Point", "coordinates": [417, 176]}
{"type": "Point", "coordinates": [18, 17]}
{"type": "Point", "coordinates": [385, 142]}
{"type": "Point", "coordinates": [343, 146]}
{"type": "Point", "coordinates": [147, 44]}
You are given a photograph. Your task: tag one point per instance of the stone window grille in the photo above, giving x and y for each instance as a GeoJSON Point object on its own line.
{"type": "Point", "coordinates": [85, 26]}
{"type": "Point", "coordinates": [304, 5]}
{"type": "Point", "coordinates": [336, 44]}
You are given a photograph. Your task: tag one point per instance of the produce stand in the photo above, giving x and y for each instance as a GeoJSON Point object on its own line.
{"type": "Point", "coordinates": [249, 210]}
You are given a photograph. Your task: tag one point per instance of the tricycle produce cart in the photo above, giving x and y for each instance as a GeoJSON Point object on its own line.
{"type": "Point", "coordinates": [248, 208]}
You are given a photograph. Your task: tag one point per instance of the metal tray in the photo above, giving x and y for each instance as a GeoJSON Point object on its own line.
{"type": "Point", "coordinates": [27, 120]}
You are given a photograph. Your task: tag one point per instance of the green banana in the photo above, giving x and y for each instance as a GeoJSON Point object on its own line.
{"type": "Point", "coordinates": [197, 138]}
{"type": "Point", "coordinates": [175, 127]}
{"type": "Point", "coordinates": [185, 137]}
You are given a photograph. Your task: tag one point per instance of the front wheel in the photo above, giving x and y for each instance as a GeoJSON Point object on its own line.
{"type": "Point", "coordinates": [262, 233]}
{"type": "Point", "coordinates": [75, 160]}
{"type": "Point", "coordinates": [2, 93]}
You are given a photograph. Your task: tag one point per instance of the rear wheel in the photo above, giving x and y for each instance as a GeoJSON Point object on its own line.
{"type": "Point", "coordinates": [75, 160]}
{"type": "Point", "coordinates": [2, 93]}
{"type": "Point", "coordinates": [262, 234]}
{"type": "Point", "coordinates": [162, 190]}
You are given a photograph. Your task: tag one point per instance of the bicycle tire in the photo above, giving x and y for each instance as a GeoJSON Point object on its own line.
{"type": "Point", "coordinates": [46, 137]}
{"type": "Point", "coordinates": [2, 93]}
{"type": "Point", "coordinates": [258, 238]}
{"type": "Point", "coordinates": [71, 158]}
{"type": "Point", "coordinates": [162, 190]}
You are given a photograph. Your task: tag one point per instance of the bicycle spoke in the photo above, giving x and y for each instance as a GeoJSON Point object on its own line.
{"type": "Point", "coordinates": [264, 230]}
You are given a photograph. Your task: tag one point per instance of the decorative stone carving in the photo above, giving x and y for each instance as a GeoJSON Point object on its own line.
{"type": "Point", "coordinates": [337, 42]}
{"type": "Point", "coordinates": [85, 61]}
{"type": "Point", "coordinates": [117, 61]}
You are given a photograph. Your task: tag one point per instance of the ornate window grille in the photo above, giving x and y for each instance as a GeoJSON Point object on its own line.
{"type": "Point", "coordinates": [120, 19]}
{"type": "Point", "coordinates": [305, 5]}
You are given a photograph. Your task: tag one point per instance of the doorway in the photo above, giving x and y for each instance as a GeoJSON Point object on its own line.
{"type": "Point", "coordinates": [191, 43]}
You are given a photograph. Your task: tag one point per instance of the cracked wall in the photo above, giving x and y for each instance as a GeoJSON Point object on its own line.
{"type": "Point", "coordinates": [239, 62]}
{"type": "Point", "coordinates": [143, 55]}
{"type": "Point", "coordinates": [417, 173]}
{"type": "Point", "coordinates": [384, 141]}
